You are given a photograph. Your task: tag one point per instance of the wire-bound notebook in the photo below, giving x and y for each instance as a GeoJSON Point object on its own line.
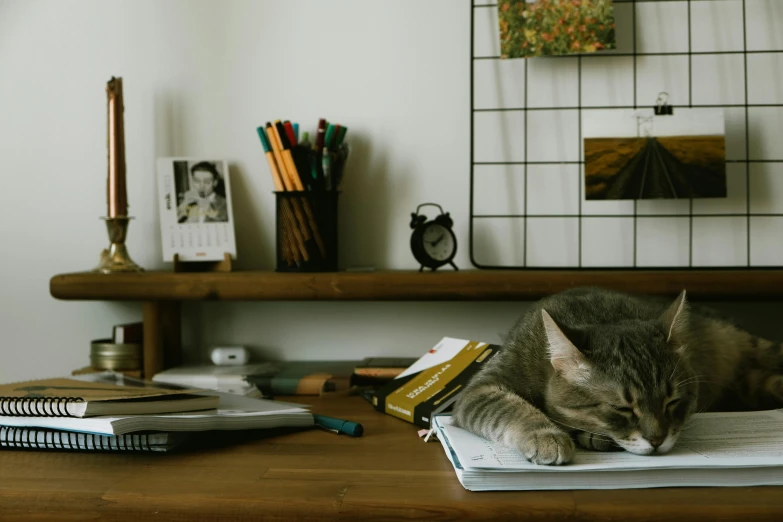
{"type": "Point", "coordinates": [32, 438]}
{"type": "Point", "coordinates": [78, 398]}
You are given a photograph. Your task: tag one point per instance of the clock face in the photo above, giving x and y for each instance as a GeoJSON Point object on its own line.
{"type": "Point", "coordinates": [438, 242]}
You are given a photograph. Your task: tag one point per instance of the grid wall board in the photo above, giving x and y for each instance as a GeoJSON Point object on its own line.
{"type": "Point", "coordinates": [527, 205]}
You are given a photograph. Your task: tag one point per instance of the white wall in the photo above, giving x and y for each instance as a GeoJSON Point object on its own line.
{"type": "Point", "coordinates": [199, 76]}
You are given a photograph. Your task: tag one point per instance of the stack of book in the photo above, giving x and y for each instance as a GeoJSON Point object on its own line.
{"type": "Point", "coordinates": [109, 411]}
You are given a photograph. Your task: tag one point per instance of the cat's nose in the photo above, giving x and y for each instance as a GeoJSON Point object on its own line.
{"type": "Point", "coordinates": [656, 441]}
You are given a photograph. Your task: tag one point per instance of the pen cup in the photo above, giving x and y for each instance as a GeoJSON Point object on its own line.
{"type": "Point", "coordinates": [306, 230]}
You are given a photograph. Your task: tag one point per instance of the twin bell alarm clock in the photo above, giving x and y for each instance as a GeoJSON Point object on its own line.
{"type": "Point", "coordinates": [433, 242]}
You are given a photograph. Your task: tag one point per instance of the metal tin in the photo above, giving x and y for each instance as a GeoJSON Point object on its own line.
{"type": "Point", "coordinates": [106, 355]}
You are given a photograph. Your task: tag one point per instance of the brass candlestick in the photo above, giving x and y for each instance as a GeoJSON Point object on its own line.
{"type": "Point", "coordinates": [116, 257]}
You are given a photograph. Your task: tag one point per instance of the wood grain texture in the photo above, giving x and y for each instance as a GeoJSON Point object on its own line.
{"type": "Point", "coordinates": [465, 285]}
{"type": "Point", "coordinates": [388, 474]}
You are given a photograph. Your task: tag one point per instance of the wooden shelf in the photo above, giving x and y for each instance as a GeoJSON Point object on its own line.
{"type": "Point", "coordinates": [465, 285]}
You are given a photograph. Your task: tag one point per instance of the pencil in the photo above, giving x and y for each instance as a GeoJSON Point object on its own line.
{"type": "Point", "coordinates": [294, 174]}
{"type": "Point", "coordinates": [275, 140]}
{"type": "Point", "coordinates": [297, 246]}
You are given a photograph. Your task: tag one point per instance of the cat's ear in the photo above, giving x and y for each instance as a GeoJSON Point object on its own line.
{"type": "Point", "coordinates": [565, 357]}
{"type": "Point", "coordinates": [675, 318]}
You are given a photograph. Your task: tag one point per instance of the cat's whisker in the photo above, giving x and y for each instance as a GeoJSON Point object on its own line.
{"type": "Point", "coordinates": [689, 379]}
{"type": "Point", "coordinates": [677, 365]}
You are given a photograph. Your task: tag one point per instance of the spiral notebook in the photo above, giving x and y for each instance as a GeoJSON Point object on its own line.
{"type": "Point", "coordinates": [79, 398]}
{"type": "Point", "coordinates": [32, 438]}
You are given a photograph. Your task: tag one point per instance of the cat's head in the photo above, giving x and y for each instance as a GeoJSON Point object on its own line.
{"type": "Point", "coordinates": [630, 382]}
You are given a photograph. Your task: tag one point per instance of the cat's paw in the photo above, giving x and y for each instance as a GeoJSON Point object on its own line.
{"type": "Point", "coordinates": [774, 386]}
{"type": "Point", "coordinates": [549, 446]}
{"type": "Point", "coordinates": [595, 442]}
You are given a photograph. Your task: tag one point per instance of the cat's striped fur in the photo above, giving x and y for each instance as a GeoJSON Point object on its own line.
{"type": "Point", "coordinates": [615, 371]}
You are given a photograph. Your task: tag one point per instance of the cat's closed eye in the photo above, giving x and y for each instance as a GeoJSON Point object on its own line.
{"type": "Point", "coordinates": [622, 409]}
{"type": "Point", "coordinates": [671, 403]}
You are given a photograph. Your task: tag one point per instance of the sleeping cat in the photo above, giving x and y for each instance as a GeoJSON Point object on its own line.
{"type": "Point", "coordinates": [615, 372]}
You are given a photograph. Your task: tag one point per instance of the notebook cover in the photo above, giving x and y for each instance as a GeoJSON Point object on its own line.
{"type": "Point", "coordinates": [83, 390]}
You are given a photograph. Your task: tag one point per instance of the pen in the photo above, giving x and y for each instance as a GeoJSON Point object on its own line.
{"type": "Point", "coordinates": [333, 143]}
{"type": "Point", "coordinates": [338, 426]}
{"type": "Point", "coordinates": [297, 180]}
{"type": "Point", "coordinates": [319, 135]}
{"type": "Point", "coordinates": [341, 136]}
{"type": "Point", "coordinates": [289, 132]}
{"type": "Point", "coordinates": [328, 136]}
{"type": "Point", "coordinates": [326, 165]}
{"type": "Point", "coordinates": [275, 166]}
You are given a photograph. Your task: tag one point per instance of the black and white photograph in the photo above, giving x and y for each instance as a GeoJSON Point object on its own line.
{"type": "Point", "coordinates": [201, 192]}
{"type": "Point", "coordinates": [195, 209]}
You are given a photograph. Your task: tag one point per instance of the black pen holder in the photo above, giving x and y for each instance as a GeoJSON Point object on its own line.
{"type": "Point", "coordinates": [306, 231]}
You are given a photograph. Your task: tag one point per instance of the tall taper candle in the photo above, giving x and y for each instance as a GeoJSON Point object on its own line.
{"type": "Point", "coordinates": [115, 187]}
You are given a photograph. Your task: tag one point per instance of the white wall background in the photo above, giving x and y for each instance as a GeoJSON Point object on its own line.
{"type": "Point", "coordinates": [199, 76]}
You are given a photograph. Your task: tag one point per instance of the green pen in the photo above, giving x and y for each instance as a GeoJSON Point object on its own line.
{"type": "Point", "coordinates": [338, 425]}
{"type": "Point", "coordinates": [329, 136]}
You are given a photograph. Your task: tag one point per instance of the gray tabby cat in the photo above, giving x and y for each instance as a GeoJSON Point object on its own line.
{"type": "Point", "coordinates": [616, 372]}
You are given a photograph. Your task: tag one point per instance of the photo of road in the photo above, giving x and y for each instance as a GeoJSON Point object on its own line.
{"type": "Point", "coordinates": [655, 168]}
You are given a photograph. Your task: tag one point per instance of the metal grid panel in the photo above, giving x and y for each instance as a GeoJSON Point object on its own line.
{"type": "Point", "coordinates": [684, 220]}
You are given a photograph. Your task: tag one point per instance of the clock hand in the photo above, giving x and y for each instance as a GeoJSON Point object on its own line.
{"type": "Point", "coordinates": [438, 240]}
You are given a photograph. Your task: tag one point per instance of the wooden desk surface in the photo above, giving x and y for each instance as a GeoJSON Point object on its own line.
{"type": "Point", "coordinates": [387, 474]}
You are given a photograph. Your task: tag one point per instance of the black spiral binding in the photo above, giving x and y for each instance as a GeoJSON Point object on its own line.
{"type": "Point", "coordinates": [37, 406]}
{"type": "Point", "coordinates": [29, 438]}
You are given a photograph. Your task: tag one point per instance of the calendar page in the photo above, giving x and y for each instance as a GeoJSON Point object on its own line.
{"type": "Point", "coordinates": [196, 213]}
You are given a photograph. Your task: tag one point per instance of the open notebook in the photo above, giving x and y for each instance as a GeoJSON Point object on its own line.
{"type": "Point", "coordinates": [79, 398]}
{"type": "Point", "coordinates": [718, 449]}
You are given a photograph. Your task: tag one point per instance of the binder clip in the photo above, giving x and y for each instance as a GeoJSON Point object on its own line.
{"type": "Point", "coordinates": [661, 107]}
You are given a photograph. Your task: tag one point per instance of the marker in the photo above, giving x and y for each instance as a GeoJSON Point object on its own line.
{"type": "Point", "coordinates": [270, 158]}
{"type": "Point", "coordinates": [333, 144]}
{"type": "Point", "coordinates": [289, 132]}
{"type": "Point", "coordinates": [296, 133]}
{"type": "Point", "coordinates": [340, 136]}
{"type": "Point", "coordinates": [319, 135]}
{"type": "Point", "coordinates": [338, 426]}
{"type": "Point", "coordinates": [326, 165]}
{"type": "Point", "coordinates": [329, 136]}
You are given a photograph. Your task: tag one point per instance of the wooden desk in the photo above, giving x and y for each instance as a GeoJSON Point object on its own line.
{"type": "Point", "coordinates": [388, 474]}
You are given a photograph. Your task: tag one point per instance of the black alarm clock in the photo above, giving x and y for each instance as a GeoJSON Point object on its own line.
{"type": "Point", "coordinates": [433, 242]}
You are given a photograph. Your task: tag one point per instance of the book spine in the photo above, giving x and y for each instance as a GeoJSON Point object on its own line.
{"type": "Point", "coordinates": [28, 438]}
{"type": "Point", "coordinates": [37, 406]}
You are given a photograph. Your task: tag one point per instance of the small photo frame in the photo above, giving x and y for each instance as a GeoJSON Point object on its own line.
{"type": "Point", "coordinates": [636, 154]}
{"type": "Point", "coordinates": [196, 211]}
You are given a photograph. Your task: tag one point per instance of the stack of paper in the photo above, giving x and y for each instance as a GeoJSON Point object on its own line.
{"type": "Point", "coordinates": [717, 449]}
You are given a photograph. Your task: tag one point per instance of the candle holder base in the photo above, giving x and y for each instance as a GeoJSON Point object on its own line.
{"type": "Point", "coordinates": [116, 258]}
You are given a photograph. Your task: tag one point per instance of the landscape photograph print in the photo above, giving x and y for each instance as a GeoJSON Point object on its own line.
{"type": "Point", "coordinates": [635, 154]}
{"type": "Point", "coordinates": [555, 27]}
